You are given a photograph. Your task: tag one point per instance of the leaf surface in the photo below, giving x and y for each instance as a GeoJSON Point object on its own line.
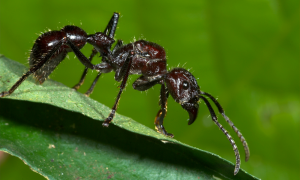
{"type": "Point", "coordinates": [58, 132]}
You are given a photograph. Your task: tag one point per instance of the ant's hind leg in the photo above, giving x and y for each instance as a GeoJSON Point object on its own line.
{"type": "Point", "coordinates": [32, 70]}
{"type": "Point", "coordinates": [112, 25]}
{"type": "Point", "coordinates": [110, 32]}
{"type": "Point", "coordinates": [162, 112]}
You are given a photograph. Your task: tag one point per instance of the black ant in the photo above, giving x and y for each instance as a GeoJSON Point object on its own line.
{"type": "Point", "coordinates": [140, 57]}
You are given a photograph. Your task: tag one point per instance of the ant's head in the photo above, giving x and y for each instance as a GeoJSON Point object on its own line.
{"type": "Point", "coordinates": [184, 89]}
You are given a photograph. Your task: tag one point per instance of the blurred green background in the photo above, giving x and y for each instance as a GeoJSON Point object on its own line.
{"type": "Point", "coordinates": [245, 53]}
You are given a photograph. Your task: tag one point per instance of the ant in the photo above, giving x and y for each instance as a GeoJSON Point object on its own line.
{"type": "Point", "coordinates": [140, 57]}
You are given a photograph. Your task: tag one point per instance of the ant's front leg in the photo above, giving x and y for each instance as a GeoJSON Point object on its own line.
{"type": "Point", "coordinates": [142, 83]}
{"type": "Point", "coordinates": [159, 119]}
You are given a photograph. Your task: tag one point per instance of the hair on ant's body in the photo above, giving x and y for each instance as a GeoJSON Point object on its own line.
{"type": "Point", "coordinates": [141, 57]}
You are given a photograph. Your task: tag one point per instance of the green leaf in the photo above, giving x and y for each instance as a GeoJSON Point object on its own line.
{"type": "Point", "coordinates": [58, 133]}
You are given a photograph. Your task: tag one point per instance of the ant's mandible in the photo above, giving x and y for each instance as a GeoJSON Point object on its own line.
{"type": "Point", "coordinates": [140, 57]}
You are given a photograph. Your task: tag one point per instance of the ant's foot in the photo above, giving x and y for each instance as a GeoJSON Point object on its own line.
{"type": "Point", "coordinates": [107, 121]}
{"type": "Point", "coordinates": [169, 135]}
{"type": "Point", "coordinates": [87, 95]}
{"type": "Point", "coordinates": [3, 94]}
{"type": "Point", "coordinates": [105, 124]}
{"type": "Point", "coordinates": [161, 129]}
{"type": "Point", "coordinates": [76, 87]}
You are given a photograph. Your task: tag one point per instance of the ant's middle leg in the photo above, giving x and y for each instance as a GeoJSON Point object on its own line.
{"type": "Point", "coordinates": [124, 73]}
{"type": "Point", "coordinates": [90, 90]}
{"type": "Point", "coordinates": [77, 86]}
{"type": "Point", "coordinates": [103, 67]}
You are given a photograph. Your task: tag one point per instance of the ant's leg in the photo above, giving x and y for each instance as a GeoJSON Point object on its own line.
{"type": "Point", "coordinates": [77, 86]}
{"type": "Point", "coordinates": [112, 25]}
{"type": "Point", "coordinates": [110, 31]}
{"type": "Point", "coordinates": [84, 60]}
{"type": "Point", "coordinates": [162, 112]}
{"type": "Point", "coordinates": [159, 119]}
{"type": "Point", "coordinates": [65, 40]}
{"type": "Point", "coordinates": [242, 139]}
{"type": "Point", "coordinates": [32, 70]}
{"type": "Point", "coordinates": [91, 89]}
{"type": "Point", "coordinates": [126, 68]}
{"type": "Point", "coordinates": [142, 83]}
{"type": "Point", "coordinates": [235, 149]}
{"type": "Point", "coordinates": [122, 71]}
{"type": "Point", "coordinates": [119, 44]}
{"type": "Point", "coordinates": [103, 67]}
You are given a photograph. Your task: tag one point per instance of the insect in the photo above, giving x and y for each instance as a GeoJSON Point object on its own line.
{"type": "Point", "coordinates": [141, 57]}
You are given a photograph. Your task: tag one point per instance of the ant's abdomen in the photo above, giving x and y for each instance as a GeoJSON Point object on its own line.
{"type": "Point", "coordinates": [76, 35]}
{"type": "Point", "coordinates": [47, 41]}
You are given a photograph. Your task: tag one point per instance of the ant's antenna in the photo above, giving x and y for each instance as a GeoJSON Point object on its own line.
{"type": "Point", "coordinates": [242, 139]}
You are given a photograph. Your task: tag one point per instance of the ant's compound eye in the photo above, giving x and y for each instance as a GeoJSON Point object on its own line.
{"type": "Point", "coordinates": [185, 85]}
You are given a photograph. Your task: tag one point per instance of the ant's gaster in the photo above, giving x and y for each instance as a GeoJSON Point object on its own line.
{"type": "Point", "coordinates": [140, 57]}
